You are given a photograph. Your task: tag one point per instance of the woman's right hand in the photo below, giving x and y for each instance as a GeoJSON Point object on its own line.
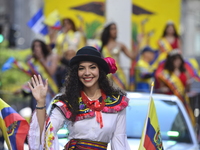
{"type": "Point", "coordinates": [39, 89]}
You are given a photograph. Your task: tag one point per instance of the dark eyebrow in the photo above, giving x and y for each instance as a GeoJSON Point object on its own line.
{"type": "Point", "coordinates": [93, 65]}
{"type": "Point", "coordinates": [89, 65]}
{"type": "Point", "coordinates": [80, 66]}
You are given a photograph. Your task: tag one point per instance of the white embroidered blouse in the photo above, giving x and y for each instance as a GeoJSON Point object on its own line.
{"type": "Point", "coordinates": [114, 130]}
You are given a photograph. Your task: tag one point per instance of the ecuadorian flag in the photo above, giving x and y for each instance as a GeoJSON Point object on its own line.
{"type": "Point", "coordinates": [14, 127]}
{"type": "Point", "coordinates": [151, 137]}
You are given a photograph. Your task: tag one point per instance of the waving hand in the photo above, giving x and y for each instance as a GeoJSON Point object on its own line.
{"type": "Point", "coordinates": [39, 89]}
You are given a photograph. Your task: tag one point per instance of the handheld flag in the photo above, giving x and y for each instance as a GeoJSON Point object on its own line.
{"type": "Point", "coordinates": [8, 64]}
{"type": "Point", "coordinates": [12, 62]}
{"type": "Point", "coordinates": [36, 23]}
{"type": "Point", "coordinates": [53, 20]}
{"type": "Point", "coordinates": [15, 128]}
{"type": "Point", "coordinates": [151, 137]}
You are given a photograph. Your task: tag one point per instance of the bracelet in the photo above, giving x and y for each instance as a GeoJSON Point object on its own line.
{"type": "Point", "coordinates": [41, 107]}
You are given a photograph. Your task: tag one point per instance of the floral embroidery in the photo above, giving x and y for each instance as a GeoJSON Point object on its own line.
{"type": "Point", "coordinates": [105, 109]}
{"type": "Point", "coordinates": [82, 106]}
{"type": "Point", "coordinates": [108, 100]}
{"type": "Point", "coordinates": [117, 108]}
{"type": "Point", "coordinates": [49, 135]}
{"type": "Point", "coordinates": [124, 103]}
{"type": "Point", "coordinates": [113, 104]}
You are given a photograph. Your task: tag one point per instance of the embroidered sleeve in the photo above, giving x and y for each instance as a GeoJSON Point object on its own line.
{"type": "Point", "coordinates": [53, 124]}
{"type": "Point", "coordinates": [49, 135]}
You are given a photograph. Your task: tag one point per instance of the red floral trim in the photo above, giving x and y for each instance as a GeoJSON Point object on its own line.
{"type": "Point", "coordinates": [117, 108]}
{"type": "Point", "coordinates": [90, 113]}
{"type": "Point", "coordinates": [85, 116]}
{"type": "Point", "coordinates": [63, 108]}
{"type": "Point", "coordinates": [67, 112]}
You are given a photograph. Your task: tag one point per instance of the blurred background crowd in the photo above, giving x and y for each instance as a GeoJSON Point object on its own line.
{"type": "Point", "coordinates": [150, 41]}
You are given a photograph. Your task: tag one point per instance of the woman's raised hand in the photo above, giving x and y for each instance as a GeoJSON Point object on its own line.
{"type": "Point", "coordinates": [39, 89]}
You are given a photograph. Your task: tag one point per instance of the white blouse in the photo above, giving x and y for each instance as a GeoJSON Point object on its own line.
{"type": "Point", "coordinates": [114, 130]}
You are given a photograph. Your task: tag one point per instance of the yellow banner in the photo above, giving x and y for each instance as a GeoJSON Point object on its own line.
{"type": "Point", "coordinates": [86, 10]}
{"type": "Point", "coordinates": [154, 14]}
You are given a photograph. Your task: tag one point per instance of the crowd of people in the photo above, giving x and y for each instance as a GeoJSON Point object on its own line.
{"type": "Point", "coordinates": [51, 60]}
{"type": "Point", "coordinates": [63, 65]}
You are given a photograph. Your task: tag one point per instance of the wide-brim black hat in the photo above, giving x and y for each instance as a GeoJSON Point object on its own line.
{"type": "Point", "coordinates": [89, 53]}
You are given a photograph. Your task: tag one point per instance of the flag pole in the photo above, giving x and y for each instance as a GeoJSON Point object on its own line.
{"type": "Point", "coordinates": [152, 86]}
{"type": "Point", "coordinates": [146, 120]}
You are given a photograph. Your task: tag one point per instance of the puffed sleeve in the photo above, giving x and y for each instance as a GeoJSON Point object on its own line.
{"type": "Point", "coordinates": [119, 139]}
{"type": "Point", "coordinates": [53, 122]}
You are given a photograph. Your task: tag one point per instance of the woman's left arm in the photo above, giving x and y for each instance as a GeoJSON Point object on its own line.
{"type": "Point", "coordinates": [131, 54]}
{"type": "Point", "coordinates": [119, 139]}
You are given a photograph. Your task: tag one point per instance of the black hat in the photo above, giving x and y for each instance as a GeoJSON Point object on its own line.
{"type": "Point", "coordinates": [89, 53]}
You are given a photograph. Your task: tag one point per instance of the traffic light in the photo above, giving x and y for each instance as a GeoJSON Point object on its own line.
{"type": "Point", "coordinates": [1, 38]}
{"type": "Point", "coordinates": [1, 35]}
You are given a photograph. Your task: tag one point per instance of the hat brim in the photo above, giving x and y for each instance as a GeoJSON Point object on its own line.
{"type": "Point", "coordinates": [101, 62]}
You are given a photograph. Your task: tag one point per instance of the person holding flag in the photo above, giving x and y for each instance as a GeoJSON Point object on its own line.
{"type": "Point", "coordinates": [14, 127]}
{"type": "Point", "coordinates": [151, 137]}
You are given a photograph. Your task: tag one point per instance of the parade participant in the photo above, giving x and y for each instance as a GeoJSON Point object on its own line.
{"type": "Point", "coordinates": [112, 48]}
{"type": "Point", "coordinates": [44, 55]}
{"type": "Point", "coordinates": [69, 38]}
{"type": "Point", "coordinates": [170, 40]}
{"type": "Point", "coordinates": [173, 78]}
{"type": "Point", "coordinates": [174, 67]}
{"type": "Point", "coordinates": [94, 111]}
{"type": "Point", "coordinates": [43, 62]}
{"type": "Point", "coordinates": [144, 72]}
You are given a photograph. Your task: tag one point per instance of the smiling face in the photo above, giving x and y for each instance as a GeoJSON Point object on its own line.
{"type": "Point", "coordinates": [88, 73]}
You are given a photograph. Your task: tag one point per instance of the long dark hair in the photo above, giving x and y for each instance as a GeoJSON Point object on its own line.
{"type": "Point", "coordinates": [169, 63]}
{"type": "Point", "coordinates": [73, 87]}
{"type": "Point", "coordinates": [105, 35]}
{"type": "Point", "coordinates": [165, 30]}
{"type": "Point", "coordinates": [44, 47]}
{"type": "Point", "coordinates": [71, 22]}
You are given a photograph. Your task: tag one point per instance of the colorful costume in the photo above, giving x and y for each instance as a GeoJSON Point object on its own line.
{"type": "Point", "coordinates": [166, 47]}
{"type": "Point", "coordinates": [176, 84]}
{"type": "Point", "coordinates": [143, 76]}
{"type": "Point", "coordinates": [68, 40]}
{"type": "Point", "coordinates": [36, 67]}
{"type": "Point", "coordinates": [85, 132]}
{"type": "Point", "coordinates": [119, 78]}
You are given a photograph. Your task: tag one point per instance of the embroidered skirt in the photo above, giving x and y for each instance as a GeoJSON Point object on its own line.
{"type": "Point", "coordinates": [80, 144]}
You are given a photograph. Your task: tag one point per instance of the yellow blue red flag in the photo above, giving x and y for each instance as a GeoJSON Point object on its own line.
{"type": "Point", "coordinates": [151, 137]}
{"type": "Point", "coordinates": [15, 128]}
